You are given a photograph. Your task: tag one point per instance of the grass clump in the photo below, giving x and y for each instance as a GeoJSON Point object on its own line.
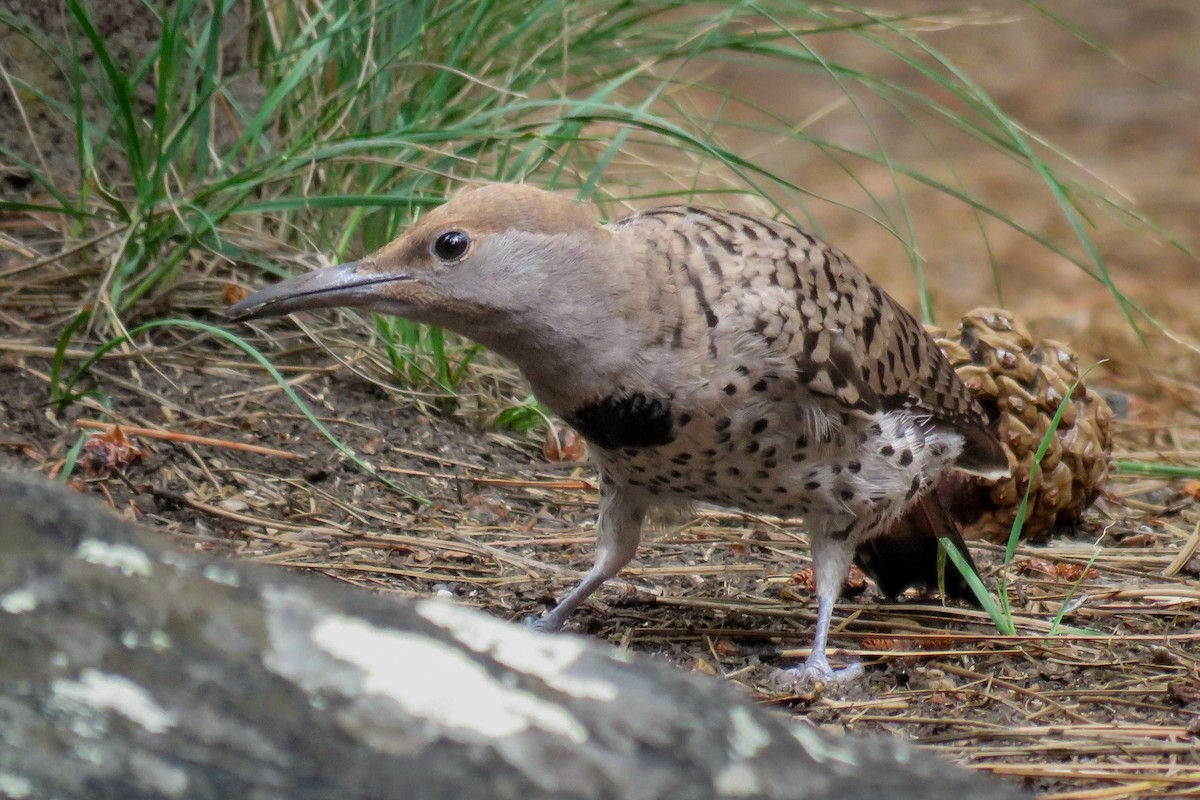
{"type": "Point", "coordinates": [244, 134]}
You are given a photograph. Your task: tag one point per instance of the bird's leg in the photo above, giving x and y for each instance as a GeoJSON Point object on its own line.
{"type": "Point", "coordinates": [831, 562]}
{"type": "Point", "coordinates": [816, 666]}
{"type": "Point", "coordinates": [618, 531]}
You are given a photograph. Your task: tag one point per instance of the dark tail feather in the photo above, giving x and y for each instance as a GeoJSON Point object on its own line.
{"type": "Point", "coordinates": [907, 554]}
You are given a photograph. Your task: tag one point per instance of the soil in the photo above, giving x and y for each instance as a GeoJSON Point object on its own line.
{"type": "Point", "coordinates": [1108, 706]}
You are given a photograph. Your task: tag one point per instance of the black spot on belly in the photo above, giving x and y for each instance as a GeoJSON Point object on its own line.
{"type": "Point", "coordinates": [624, 421]}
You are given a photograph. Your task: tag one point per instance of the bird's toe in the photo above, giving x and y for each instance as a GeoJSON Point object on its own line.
{"type": "Point", "coordinates": [814, 672]}
{"type": "Point", "coordinates": [542, 624]}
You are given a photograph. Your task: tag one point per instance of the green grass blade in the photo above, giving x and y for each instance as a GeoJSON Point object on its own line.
{"type": "Point", "coordinates": [122, 95]}
{"type": "Point", "coordinates": [1000, 619]}
{"type": "Point", "coordinates": [61, 395]}
{"type": "Point", "coordinates": [1066, 603]}
{"type": "Point", "coordinates": [1044, 445]}
{"type": "Point", "coordinates": [72, 457]}
{"type": "Point", "coordinates": [1154, 469]}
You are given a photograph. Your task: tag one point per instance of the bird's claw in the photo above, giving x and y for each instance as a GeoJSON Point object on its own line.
{"type": "Point", "coordinates": [542, 624]}
{"type": "Point", "coordinates": [816, 672]}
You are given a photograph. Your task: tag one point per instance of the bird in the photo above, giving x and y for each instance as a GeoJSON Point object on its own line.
{"type": "Point", "coordinates": [706, 356]}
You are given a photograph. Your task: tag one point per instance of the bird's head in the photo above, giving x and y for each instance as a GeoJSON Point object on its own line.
{"type": "Point", "coordinates": [490, 253]}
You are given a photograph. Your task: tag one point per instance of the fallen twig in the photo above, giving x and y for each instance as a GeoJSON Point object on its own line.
{"type": "Point", "coordinates": [185, 438]}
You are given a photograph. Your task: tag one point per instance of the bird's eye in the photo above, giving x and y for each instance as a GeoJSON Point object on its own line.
{"type": "Point", "coordinates": [451, 245]}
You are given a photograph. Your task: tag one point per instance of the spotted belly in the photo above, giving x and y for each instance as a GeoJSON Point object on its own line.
{"type": "Point", "coordinates": [792, 462]}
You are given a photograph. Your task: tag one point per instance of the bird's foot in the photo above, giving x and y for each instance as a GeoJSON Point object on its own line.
{"type": "Point", "coordinates": [816, 671]}
{"type": "Point", "coordinates": [544, 624]}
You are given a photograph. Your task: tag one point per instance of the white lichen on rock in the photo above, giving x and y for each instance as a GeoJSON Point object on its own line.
{"type": "Point", "coordinates": [387, 678]}
{"type": "Point", "coordinates": [15, 786]}
{"type": "Point", "coordinates": [434, 681]}
{"type": "Point", "coordinates": [18, 601]}
{"type": "Point", "coordinates": [129, 560]}
{"type": "Point", "coordinates": [218, 573]}
{"type": "Point", "coordinates": [746, 737]}
{"type": "Point", "coordinates": [165, 778]}
{"type": "Point", "coordinates": [737, 779]}
{"type": "Point", "coordinates": [547, 657]}
{"type": "Point", "coordinates": [97, 693]}
{"type": "Point", "coordinates": [821, 748]}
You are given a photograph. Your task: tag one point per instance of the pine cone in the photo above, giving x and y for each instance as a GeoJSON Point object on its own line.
{"type": "Point", "coordinates": [1020, 386]}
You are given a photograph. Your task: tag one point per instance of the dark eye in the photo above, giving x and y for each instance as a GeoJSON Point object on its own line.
{"type": "Point", "coordinates": [451, 245]}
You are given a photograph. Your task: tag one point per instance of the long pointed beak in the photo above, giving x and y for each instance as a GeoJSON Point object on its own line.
{"type": "Point", "coordinates": [343, 285]}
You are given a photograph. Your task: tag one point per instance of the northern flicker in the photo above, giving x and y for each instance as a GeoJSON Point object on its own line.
{"type": "Point", "coordinates": [705, 355]}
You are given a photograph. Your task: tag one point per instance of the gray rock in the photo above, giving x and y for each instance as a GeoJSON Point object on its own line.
{"type": "Point", "coordinates": [132, 669]}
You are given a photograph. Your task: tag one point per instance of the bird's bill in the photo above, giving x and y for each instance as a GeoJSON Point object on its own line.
{"type": "Point", "coordinates": [343, 285]}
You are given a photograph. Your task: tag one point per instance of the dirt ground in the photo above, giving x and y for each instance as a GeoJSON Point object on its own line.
{"type": "Point", "coordinates": [1109, 709]}
{"type": "Point", "coordinates": [1113, 703]}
